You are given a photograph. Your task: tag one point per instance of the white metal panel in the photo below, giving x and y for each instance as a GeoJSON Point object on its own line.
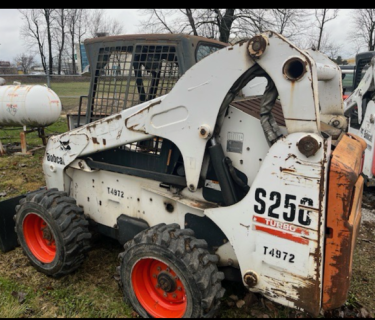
{"type": "Point", "coordinates": [299, 98]}
{"type": "Point", "coordinates": [255, 87]}
{"type": "Point", "coordinates": [246, 131]}
{"type": "Point", "coordinates": [106, 195]}
{"type": "Point", "coordinates": [264, 219]}
{"type": "Point", "coordinates": [330, 84]}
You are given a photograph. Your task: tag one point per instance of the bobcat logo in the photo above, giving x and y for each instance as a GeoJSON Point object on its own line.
{"type": "Point", "coordinates": [64, 145]}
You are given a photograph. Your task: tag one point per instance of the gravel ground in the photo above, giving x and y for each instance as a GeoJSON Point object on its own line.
{"type": "Point", "coordinates": [368, 215]}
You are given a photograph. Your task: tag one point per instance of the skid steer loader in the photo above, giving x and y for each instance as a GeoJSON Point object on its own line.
{"type": "Point", "coordinates": [359, 107]}
{"type": "Point", "coordinates": [200, 186]}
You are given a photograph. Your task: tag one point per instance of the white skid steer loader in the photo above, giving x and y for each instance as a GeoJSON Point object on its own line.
{"type": "Point", "coordinates": [197, 190]}
{"type": "Point", "coordinates": [359, 107]}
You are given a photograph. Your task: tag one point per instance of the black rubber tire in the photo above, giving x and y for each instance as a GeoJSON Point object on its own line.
{"type": "Point", "coordinates": [67, 224]}
{"type": "Point", "coordinates": [187, 256]}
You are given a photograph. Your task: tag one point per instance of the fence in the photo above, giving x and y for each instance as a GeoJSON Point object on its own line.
{"type": "Point", "coordinates": [42, 78]}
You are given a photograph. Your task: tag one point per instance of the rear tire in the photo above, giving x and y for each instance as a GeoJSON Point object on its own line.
{"type": "Point", "coordinates": [52, 232]}
{"type": "Point", "coordinates": [166, 272]}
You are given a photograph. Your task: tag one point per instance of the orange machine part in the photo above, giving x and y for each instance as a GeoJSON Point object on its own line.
{"type": "Point", "coordinates": [345, 188]}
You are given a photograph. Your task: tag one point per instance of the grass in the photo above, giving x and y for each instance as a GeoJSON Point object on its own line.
{"type": "Point", "coordinates": [22, 173]}
{"type": "Point", "coordinates": [10, 306]}
{"type": "Point", "coordinates": [70, 92]}
{"type": "Point", "coordinates": [89, 293]}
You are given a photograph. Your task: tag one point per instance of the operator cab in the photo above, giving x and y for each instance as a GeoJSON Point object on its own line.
{"type": "Point", "coordinates": [127, 70]}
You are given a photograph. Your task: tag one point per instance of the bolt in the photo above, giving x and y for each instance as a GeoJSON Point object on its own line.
{"type": "Point", "coordinates": [154, 275]}
{"type": "Point", "coordinates": [308, 146]}
{"type": "Point", "coordinates": [174, 296]}
{"type": "Point", "coordinates": [251, 279]}
{"type": "Point", "coordinates": [336, 123]}
{"type": "Point", "coordinates": [158, 268]}
{"type": "Point", "coordinates": [256, 45]}
{"type": "Point", "coordinates": [168, 270]}
{"type": "Point", "coordinates": [165, 294]}
{"type": "Point", "coordinates": [179, 289]}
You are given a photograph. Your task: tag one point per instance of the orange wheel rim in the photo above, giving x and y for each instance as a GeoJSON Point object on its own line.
{"type": "Point", "coordinates": [158, 289]}
{"type": "Point", "coordinates": [39, 238]}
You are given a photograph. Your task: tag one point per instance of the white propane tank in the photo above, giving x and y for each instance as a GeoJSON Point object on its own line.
{"type": "Point", "coordinates": [2, 82]}
{"type": "Point", "coordinates": [28, 105]}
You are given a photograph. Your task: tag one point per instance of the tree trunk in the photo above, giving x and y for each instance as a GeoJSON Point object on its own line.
{"type": "Point", "coordinates": [191, 21]}
{"type": "Point", "coordinates": [61, 49]}
{"type": "Point", "coordinates": [73, 58]}
{"type": "Point", "coordinates": [226, 24]}
{"type": "Point", "coordinates": [321, 29]}
{"type": "Point", "coordinates": [47, 15]}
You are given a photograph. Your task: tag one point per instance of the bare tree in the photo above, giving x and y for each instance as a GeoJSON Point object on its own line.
{"type": "Point", "coordinates": [99, 22]}
{"type": "Point", "coordinates": [323, 16]}
{"type": "Point", "coordinates": [291, 23]}
{"type": "Point", "coordinates": [210, 23]}
{"type": "Point", "coordinates": [223, 24]}
{"type": "Point", "coordinates": [252, 21]}
{"type": "Point", "coordinates": [329, 48]}
{"type": "Point", "coordinates": [48, 16]}
{"type": "Point", "coordinates": [33, 32]}
{"type": "Point", "coordinates": [24, 61]}
{"type": "Point", "coordinates": [59, 34]}
{"type": "Point", "coordinates": [224, 21]}
{"type": "Point", "coordinates": [77, 28]}
{"type": "Point", "coordinates": [364, 30]}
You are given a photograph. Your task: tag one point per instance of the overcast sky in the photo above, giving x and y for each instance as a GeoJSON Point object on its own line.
{"type": "Point", "coordinates": [11, 43]}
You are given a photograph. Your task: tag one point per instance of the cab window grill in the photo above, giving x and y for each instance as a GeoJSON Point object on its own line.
{"type": "Point", "coordinates": [128, 75]}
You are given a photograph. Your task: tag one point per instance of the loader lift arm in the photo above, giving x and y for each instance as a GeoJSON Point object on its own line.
{"type": "Point", "coordinates": [297, 84]}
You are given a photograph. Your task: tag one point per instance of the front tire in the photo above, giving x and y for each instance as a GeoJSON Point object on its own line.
{"type": "Point", "coordinates": [166, 272]}
{"type": "Point", "coordinates": [52, 232]}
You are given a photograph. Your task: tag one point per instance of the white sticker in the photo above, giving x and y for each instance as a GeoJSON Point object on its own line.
{"type": "Point", "coordinates": [293, 257]}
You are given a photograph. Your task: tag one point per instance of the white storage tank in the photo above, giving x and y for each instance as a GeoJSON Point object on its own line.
{"type": "Point", "coordinates": [28, 105]}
